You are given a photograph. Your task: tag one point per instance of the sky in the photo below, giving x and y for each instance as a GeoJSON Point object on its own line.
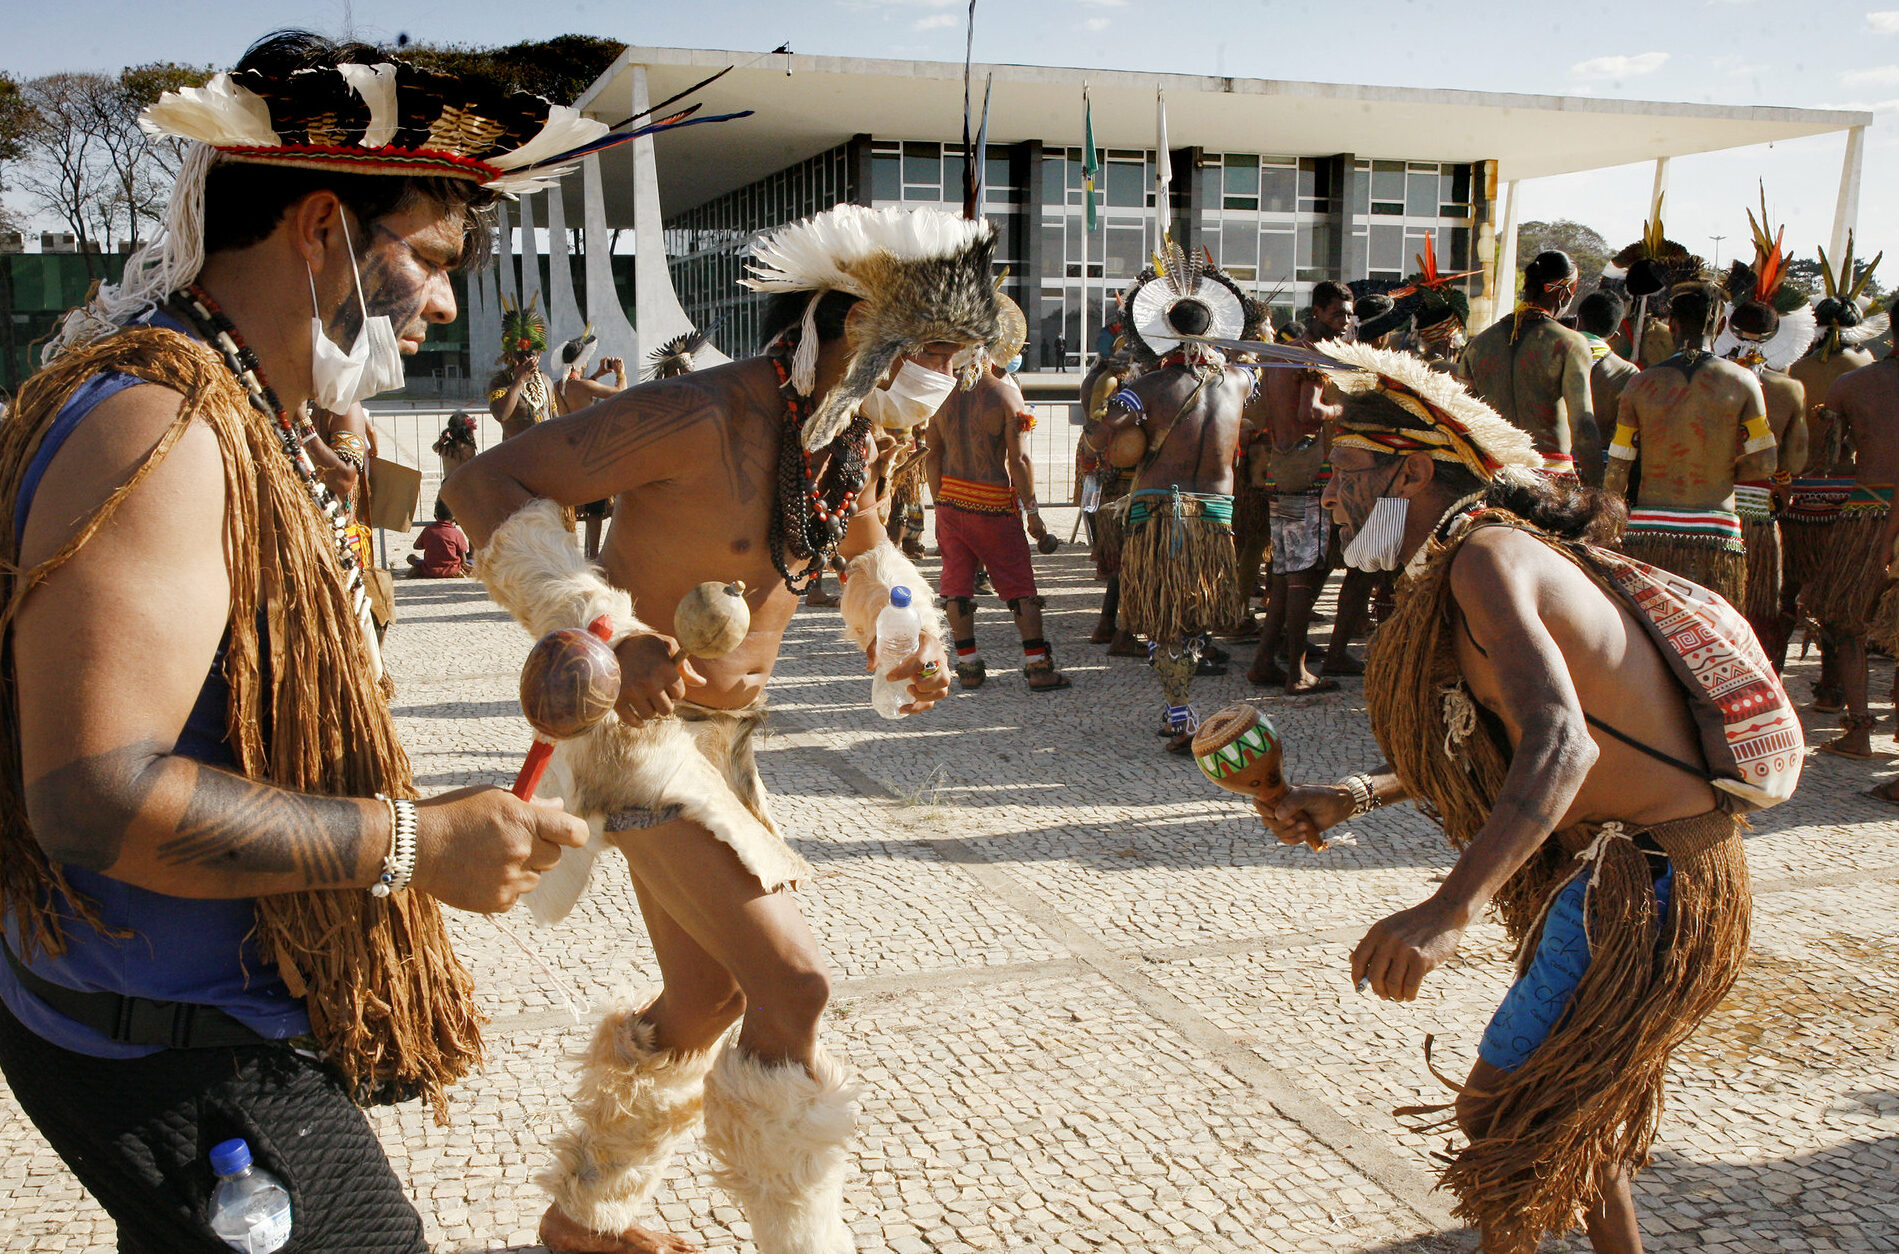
{"type": "Point", "coordinates": [1816, 54]}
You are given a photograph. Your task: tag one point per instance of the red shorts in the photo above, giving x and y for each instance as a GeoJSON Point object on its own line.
{"type": "Point", "coordinates": [994, 540]}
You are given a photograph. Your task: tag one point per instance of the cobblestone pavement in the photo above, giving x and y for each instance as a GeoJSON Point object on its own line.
{"type": "Point", "coordinates": [1097, 1009]}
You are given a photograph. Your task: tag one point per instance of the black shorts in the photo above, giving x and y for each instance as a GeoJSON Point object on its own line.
{"type": "Point", "coordinates": [138, 1134]}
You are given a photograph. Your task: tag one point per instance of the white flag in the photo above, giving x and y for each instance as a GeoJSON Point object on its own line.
{"type": "Point", "coordinates": [1163, 171]}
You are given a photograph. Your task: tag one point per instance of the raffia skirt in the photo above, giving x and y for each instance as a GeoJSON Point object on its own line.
{"type": "Point", "coordinates": [1178, 575]}
{"type": "Point", "coordinates": [1713, 566]}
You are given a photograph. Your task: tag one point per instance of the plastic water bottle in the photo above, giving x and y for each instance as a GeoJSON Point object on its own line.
{"type": "Point", "coordinates": [250, 1208]}
{"type": "Point", "coordinates": [898, 633]}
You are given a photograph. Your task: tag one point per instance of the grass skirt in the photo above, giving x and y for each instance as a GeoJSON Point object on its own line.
{"type": "Point", "coordinates": [1849, 574]}
{"type": "Point", "coordinates": [1693, 558]}
{"type": "Point", "coordinates": [1586, 1104]}
{"type": "Point", "coordinates": [1178, 573]}
{"type": "Point", "coordinates": [1763, 571]}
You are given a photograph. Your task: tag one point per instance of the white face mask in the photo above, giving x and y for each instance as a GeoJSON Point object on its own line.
{"type": "Point", "coordinates": [1379, 542]}
{"type": "Point", "coordinates": [373, 363]}
{"type": "Point", "coordinates": [913, 396]}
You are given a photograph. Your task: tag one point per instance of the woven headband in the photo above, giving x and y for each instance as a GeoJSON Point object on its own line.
{"type": "Point", "coordinates": [1442, 436]}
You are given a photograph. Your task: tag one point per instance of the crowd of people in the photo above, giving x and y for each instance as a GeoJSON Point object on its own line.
{"type": "Point", "coordinates": [223, 893]}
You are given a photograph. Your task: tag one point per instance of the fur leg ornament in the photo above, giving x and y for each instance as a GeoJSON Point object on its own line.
{"type": "Point", "coordinates": [634, 1104]}
{"type": "Point", "coordinates": [868, 580]}
{"type": "Point", "coordinates": [779, 1133]}
{"type": "Point", "coordinates": [533, 570]}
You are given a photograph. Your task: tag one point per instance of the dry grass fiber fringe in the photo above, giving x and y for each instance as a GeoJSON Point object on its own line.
{"type": "Point", "coordinates": [1849, 575]}
{"type": "Point", "coordinates": [1714, 568]}
{"type": "Point", "coordinates": [1178, 575]}
{"type": "Point", "coordinates": [388, 999]}
{"type": "Point", "coordinates": [1763, 571]}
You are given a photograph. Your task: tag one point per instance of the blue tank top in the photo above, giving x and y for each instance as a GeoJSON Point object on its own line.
{"type": "Point", "coordinates": [179, 949]}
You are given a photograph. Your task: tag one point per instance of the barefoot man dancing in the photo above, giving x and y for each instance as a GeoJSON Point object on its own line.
{"type": "Point", "coordinates": [1527, 690]}
{"type": "Point", "coordinates": [755, 471]}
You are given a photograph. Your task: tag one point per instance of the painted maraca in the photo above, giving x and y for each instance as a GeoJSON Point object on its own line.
{"type": "Point", "coordinates": [569, 684]}
{"type": "Point", "coordinates": [1239, 750]}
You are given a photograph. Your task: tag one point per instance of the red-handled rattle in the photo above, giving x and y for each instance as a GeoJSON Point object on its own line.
{"type": "Point", "coordinates": [569, 683]}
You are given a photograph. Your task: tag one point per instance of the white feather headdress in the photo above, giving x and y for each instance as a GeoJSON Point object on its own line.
{"type": "Point", "coordinates": [923, 275]}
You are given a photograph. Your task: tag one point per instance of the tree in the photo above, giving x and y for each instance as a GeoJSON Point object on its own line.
{"type": "Point", "coordinates": [15, 118]}
{"type": "Point", "coordinates": [66, 171]}
{"type": "Point", "coordinates": [559, 68]}
{"type": "Point", "coordinates": [1585, 247]}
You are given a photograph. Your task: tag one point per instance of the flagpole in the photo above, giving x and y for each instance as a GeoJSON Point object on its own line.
{"type": "Point", "coordinates": [1087, 207]}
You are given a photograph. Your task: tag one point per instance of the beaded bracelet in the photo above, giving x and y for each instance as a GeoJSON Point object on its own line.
{"type": "Point", "coordinates": [1364, 795]}
{"type": "Point", "coordinates": [399, 867]}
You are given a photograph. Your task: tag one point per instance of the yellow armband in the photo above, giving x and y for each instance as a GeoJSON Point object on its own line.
{"type": "Point", "coordinates": [1759, 435]}
{"type": "Point", "coordinates": [1624, 444]}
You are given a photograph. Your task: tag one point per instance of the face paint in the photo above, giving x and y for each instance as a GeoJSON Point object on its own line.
{"type": "Point", "coordinates": [373, 364]}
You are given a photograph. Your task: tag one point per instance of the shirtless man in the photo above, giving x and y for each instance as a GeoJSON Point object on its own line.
{"type": "Point", "coordinates": [752, 470]}
{"type": "Point", "coordinates": [1756, 324]}
{"type": "Point", "coordinates": [1295, 412]}
{"type": "Point", "coordinates": [1535, 372]}
{"type": "Point", "coordinates": [1816, 497]}
{"type": "Point", "coordinates": [1179, 581]}
{"type": "Point", "coordinates": [1102, 381]}
{"type": "Point", "coordinates": [1701, 424]}
{"type": "Point", "coordinates": [1597, 316]}
{"type": "Point", "coordinates": [983, 482]}
{"type": "Point", "coordinates": [577, 390]}
{"type": "Point", "coordinates": [1843, 591]}
{"type": "Point", "coordinates": [1552, 660]}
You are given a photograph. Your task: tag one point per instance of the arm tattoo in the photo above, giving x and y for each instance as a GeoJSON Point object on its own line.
{"type": "Point", "coordinates": [249, 828]}
{"type": "Point", "coordinates": [83, 811]}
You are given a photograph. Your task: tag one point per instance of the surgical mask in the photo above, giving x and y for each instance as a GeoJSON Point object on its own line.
{"type": "Point", "coordinates": [373, 363]}
{"type": "Point", "coordinates": [913, 396]}
{"type": "Point", "coordinates": [1015, 364]}
{"type": "Point", "coordinates": [1379, 542]}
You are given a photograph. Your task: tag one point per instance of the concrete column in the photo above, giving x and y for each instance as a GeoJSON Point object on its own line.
{"type": "Point", "coordinates": [531, 294]}
{"type": "Point", "coordinates": [563, 310]}
{"type": "Point", "coordinates": [1035, 264]}
{"type": "Point", "coordinates": [1659, 190]}
{"type": "Point", "coordinates": [1190, 197]}
{"type": "Point", "coordinates": [504, 254]}
{"type": "Point", "coordinates": [475, 314]}
{"type": "Point", "coordinates": [603, 299]}
{"type": "Point", "coordinates": [1344, 180]}
{"type": "Point", "coordinates": [1505, 285]}
{"type": "Point", "coordinates": [1846, 210]}
{"type": "Point", "coordinates": [656, 309]}
{"type": "Point", "coordinates": [859, 157]}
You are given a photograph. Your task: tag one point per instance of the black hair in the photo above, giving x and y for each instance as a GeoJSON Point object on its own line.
{"type": "Point", "coordinates": [1692, 306]}
{"type": "Point", "coordinates": [442, 512]}
{"type": "Point", "coordinates": [1755, 317]}
{"type": "Point", "coordinates": [1329, 292]}
{"type": "Point", "coordinates": [1546, 269]}
{"type": "Point", "coordinates": [1565, 510]}
{"type": "Point", "coordinates": [244, 203]}
{"type": "Point", "coordinates": [1599, 313]}
{"type": "Point", "coordinates": [784, 310]}
{"type": "Point", "coordinates": [1293, 330]}
{"type": "Point", "coordinates": [570, 351]}
{"type": "Point", "coordinates": [1834, 312]}
{"type": "Point", "coordinates": [1372, 306]}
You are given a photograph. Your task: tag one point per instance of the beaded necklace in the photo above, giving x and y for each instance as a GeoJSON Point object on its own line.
{"type": "Point", "coordinates": [292, 434]}
{"type": "Point", "coordinates": [809, 521]}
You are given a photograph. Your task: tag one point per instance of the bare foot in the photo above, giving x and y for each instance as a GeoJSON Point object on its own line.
{"type": "Point", "coordinates": [1887, 792]}
{"type": "Point", "coordinates": [563, 1236]}
{"type": "Point", "coordinates": [1857, 742]}
{"type": "Point", "coordinates": [1267, 676]}
{"type": "Point", "coordinates": [1181, 744]}
{"type": "Point", "coordinates": [1125, 645]}
{"type": "Point", "coordinates": [1103, 632]}
{"type": "Point", "coordinates": [1343, 664]}
{"type": "Point", "coordinates": [1306, 685]}
{"type": "Point", "coordinates": [818, 598]}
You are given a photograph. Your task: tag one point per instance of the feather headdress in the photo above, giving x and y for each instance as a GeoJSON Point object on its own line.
{"type": "Point", "coordinates": [390, 118]}
{"type": "Point", "coordinates": [523, 329]}
{"type": "Point", "coordinates": [1182, 301]}
{"type": "Point", "coordinates": [1655, 263]}
{"type": "Point", "coordinates": [923, 276]}
{"type": "Point", "coordinates": [675, 356]}
{"type": "Point", "coordinates": [1437, 298]}
{"type": "Point", "coordinates": [1843, 322]}
{"type": "Point", "coordinates": [1431, 412]}
{"type": "Point", "coordinates": [1757, 291]}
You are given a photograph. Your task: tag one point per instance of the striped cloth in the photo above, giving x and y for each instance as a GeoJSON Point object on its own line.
{"type": "Point", "coordinates": [977, 498]}
{"type": "Point", "coordinates": [1559, 465]}
{"type": "Point", "coordinates": [1817, 500]}
{"type": "Point", "coordinates": [1754, 501]}
{"type": "Point", "coordinates": [1717, 528]}
{"type": "Point", "coordinates": [1867, 499]}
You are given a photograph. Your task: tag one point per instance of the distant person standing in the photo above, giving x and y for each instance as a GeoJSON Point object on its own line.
{"type": "Point", "coordinates": [1597, 316]}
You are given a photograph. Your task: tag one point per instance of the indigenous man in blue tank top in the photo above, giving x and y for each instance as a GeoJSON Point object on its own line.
{"type": "Point", "coordinates": [1531, 692]}
{"type": "Point", "coordinates": [221, 898]}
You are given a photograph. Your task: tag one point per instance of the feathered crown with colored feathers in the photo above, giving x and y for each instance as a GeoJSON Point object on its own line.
{"type": "Point", "coordinates": [396, 118]}
{"type": "Point", "coordinates": [1762, 286]}
{"type": "Point", "coordinates": [1843, 324]}
{"type": "Point", "coordinates": [922, 275]}
{"type": "Point", "coordinates": [1437, 298]}
{"type": "Point", "coordinates": [1655, 263]}
{"type": "Point", "coordinates": [523, 329]}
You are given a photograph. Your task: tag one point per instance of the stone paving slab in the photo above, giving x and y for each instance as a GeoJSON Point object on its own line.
{"type": "Point", "coordinates": [1097, 1008]}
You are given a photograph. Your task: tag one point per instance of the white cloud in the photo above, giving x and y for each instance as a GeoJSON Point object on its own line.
{"type": "Point", "coordinates": [1619, 67]}
{"type": "Point", "coordinates": [1104, 4]}
{"type": "Point", "coordinates": [1097, 23]}
{"type": "Point", "coordinates": [936, 21]}
{"type": "Point", "coordinates": [1877, 76]}
{"type": "Point", "coordinates": [1883, 21]}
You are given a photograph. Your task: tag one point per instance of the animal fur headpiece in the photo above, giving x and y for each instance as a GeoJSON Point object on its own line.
{"type": "Point", "coordinates": [1182, 295]}
{"type": "Point", "coordinates": [675, 356]}
{"type": "Point", "coordinates": [523, 330]}
{"type": "Point", "coordinates": [1769, 325]}
{"type": "Point", "coordinates": [390, 118]}
{"type": "Point", "coordinates": [1437, 298]}
{"type": "Point", "coordinates": [1842, 318]}
{"type": "Point", "coordinates": [923, 276]}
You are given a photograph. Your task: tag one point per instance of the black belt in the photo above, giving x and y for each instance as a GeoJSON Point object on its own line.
{"type": "Point", "coordinates": [138, 1020]}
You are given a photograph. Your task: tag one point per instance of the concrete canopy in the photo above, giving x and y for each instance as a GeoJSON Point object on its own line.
{"type": "Point", "coordinates": [826, 100]}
